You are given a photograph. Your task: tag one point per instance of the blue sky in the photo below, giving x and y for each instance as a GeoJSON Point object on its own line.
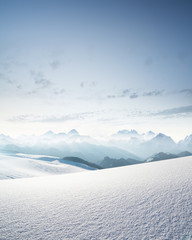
{"type": "Point", "coordinates": [97, 66]}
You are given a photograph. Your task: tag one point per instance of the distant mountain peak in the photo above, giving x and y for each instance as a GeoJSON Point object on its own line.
{"type": "Point", "coordinates": [161, 135]}
{"type": "Point", "coordinates": [49, 133]}
{"type": "Point", "coordinates": [188, 138]}
{"type": "Point", "coordinates": [73, 132]}
{"type": "Point", "coordinates": [150, 133]}
{"type": "Point", "coordinates": [163, 139]}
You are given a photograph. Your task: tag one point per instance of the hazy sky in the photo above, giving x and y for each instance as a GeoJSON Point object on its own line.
{"type": "Point", "coordinates": [97, 66]}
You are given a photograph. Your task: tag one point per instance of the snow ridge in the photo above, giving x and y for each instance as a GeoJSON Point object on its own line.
{"type": "Point", "coordinates": [145, 201]}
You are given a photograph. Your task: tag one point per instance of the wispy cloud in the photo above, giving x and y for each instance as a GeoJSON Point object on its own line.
{"type": "Point", "coordinates": [111, 96]}
{"type": "Point", "coordinates": [50, 118]}
{"type": "Point", "coordinates": [188, 91]}
{"type": "Point", "coordinates": [19, 86]}
{"type": "Point", "coordinates": [10, 82]}
{"type": "Point", "coordinates": [87, 84]}
{"type": "Point", "coordinates": [59, 91]}
{"type": "Point", "coordinates": [31, 92]}
{"type": "Point", "coordinates": [6, 78]}
{"type": "Point", "coordinates": [8, 63]}
{"type": "Point", "coordinates": [180, 111]}
{"type": "Point", "coordinates": [153, 93]}
{"type": "Point", "coordinates": [43, 82]}
{"type": "Point", "coordinates": [82, 84]}
{"type": "Point", "coordinates": [55, 64]}
{"type": "Point", "coordinates": [125, 93]}
{"type": "Point", "coordinates": [135, 94]}
{"type": "Point", "coordinates": [40, 80]}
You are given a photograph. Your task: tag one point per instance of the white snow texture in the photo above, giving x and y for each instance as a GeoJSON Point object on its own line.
{"type": "Point", "coordinates": [145, 201]}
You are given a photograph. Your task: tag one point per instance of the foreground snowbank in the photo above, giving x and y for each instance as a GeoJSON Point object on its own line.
{"type": "Point", "coordinates": [145, 201]}
{"type": "Point", "coordinates": [25, 165]}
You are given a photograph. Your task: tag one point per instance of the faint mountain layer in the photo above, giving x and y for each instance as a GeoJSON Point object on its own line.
{"type": "Point", "coordinates": [124, 144]}
{"type": "Point", "coordinates": [165, 156]}
{"type": "Point", "coordinates": [112, 162]}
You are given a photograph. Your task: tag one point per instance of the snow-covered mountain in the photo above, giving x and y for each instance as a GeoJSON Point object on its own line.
{"type": "Point", "coordinates": [161, 138]}
{"type": "Point", "coordinates": [186, 143]}
{"type": "Point", "coordinates": [128, 134]}
{"type": "Point", "coordinates": [146, 144]}
{"type": "Point", "coordinates": [144, 201]}
{"type": "Point", "coordinates": [63, 145]}
{"type": "Point", "coordinates": [124, 144]}
{"type": "Point", "coordinates": [160, 143]}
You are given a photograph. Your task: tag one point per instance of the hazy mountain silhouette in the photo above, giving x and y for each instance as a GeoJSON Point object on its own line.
{"type": "Point", "coordinates": [164, 156]}
{"type": "Point", "coordinates": [112, 162]}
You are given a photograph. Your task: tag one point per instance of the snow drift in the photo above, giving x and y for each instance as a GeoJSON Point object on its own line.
{"type": "Point", "coordinates": [25, 165]}
{"type": "Point", "coordinates": [145, 201]}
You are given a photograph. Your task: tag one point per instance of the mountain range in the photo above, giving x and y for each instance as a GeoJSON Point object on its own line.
{"type": "Point", "coordinates": [126, 144]}
{"type": "Point", "coordinates": [165, 156]}
{"type": "Point", "coordinates": [146, 144]}
{"type": "Point", "coordinates": [112, 162]}
{"type": "Point", "coordinates": [108, 162]}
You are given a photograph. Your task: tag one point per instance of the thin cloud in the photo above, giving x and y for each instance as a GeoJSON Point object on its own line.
{"type": "Point", "coordinates": [82, 84]}
{"type": "Point", "coordinates": [55, 64]}
{"type": "Point", "coordinates": [40, 80]}
{"type": "Point", "coordinates": [180, 111]}
{"type": "Point", "coordinates": [153, 93]}
{"type": "Point", "coordinates": [59, 91]}
{"type": "Point", "coordinates": [188, 91]}
{"type": "Point", "coordinates": [19, 86]}
{"type": "Point", "coordinates": [132, 95]}
{"type": "Point", "coordinates": [10, 82]}
{"type": "Point", "coordinates": [9, 63]}
{"type": "Point", "coordinates": [50, 118]}
{"type": "Point", "coordinates": [111, 96]}
{"type": "Point", "coordinates": [126, 92]}
{"type": "Point", "coordinates": [87, 84]}
{"type": "Point", "coordinates": [43, 83]}
{"type": "Point", "coordinates": [6, 79]}
{"type": "Point", "coordinates": [31, 92]}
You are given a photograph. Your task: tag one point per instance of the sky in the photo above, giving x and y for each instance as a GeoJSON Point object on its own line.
{"type": "Point", "coordinates": [96, 66]}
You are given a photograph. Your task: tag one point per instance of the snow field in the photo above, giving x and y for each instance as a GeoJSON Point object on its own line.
{"type": "Point", "coordinates": [139, 202]}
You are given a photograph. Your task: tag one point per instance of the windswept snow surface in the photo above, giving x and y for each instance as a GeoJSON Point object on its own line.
{"type": "Point", "coordinates": [25, 165]}
{"type": "Point", "coordinates": [145, 201]}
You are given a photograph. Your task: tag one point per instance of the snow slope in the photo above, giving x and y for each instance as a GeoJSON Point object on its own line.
{"type": "Point", "coordinates": [25, 165]}
{"type": "Point", "coordinates": [145, 201]}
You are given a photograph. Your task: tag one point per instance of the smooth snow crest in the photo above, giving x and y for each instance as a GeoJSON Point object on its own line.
{"type": "Point", "coordinates": [145, 201]}
{"type": "Point", "coordinates": [25, 165]}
